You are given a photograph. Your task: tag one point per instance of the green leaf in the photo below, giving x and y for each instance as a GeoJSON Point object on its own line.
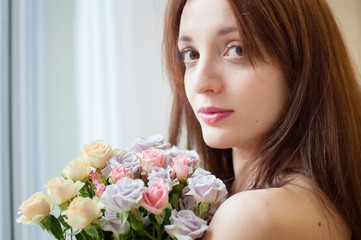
{"type": "Point", "coordinates": [167, 216]}
{"type": "Point", "coordinates": [160, 218]}
{"type": "Point", "coordinates": [92, 231]}
{"type": "Point", "coordinates": [84, 192]}
{"type": "Point", "coordinates": [61, 218]}
{"type": "Point", "coordinates": [64, 206]}
{"type": "Point", "coordinates": [174, 201]}
{"type": "Point", "coordinates": [52, 225]}
{"type": "Point", "coordinates": [123, 215]}
{"type": "Point", "coordinates": [104, 181]}
{"type": "Point", "coordinates": [81, 236]}
{"type": "Point", "coordinates": [91, 193]}
{"type": "Point", "coordinates": [135, 224]}
{"type": "Point", "coordinates": [116, 237]}
{"type": "Point", "coordinates": [203, 209]}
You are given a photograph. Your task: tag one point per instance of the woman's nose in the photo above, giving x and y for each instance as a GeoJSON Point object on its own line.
{"type": "Point", "coordinates": [207, 78]}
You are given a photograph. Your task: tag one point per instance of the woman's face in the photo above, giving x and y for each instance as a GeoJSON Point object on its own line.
{"type": "Point", "coordinates": [235, 102]}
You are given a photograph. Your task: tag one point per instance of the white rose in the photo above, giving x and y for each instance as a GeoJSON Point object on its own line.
{"type": "Point", "coordinates": [81, 212]}
{"type": "Point", "coordinates": [207, 188]}
{"type": "Point", "coordinates": [35, 209]}
{"type": "Point", "coordinates": [60, 190]}
{"type": "Point", "coordinates": [98, 153]}
{"type": "Point", "coordinates": [185, 225]}
{"type": "Point", "coordinates": [78, 170]}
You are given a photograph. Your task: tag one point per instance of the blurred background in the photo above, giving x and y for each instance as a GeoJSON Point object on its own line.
{"type": "Point", "coordinates": [74, 71]}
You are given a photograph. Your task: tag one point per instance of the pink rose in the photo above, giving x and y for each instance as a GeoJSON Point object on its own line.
{"type": "Point", "coordinates": [180, 167]}
{"type": "Point", "coordinates": [152, 158]}
{"type": "Point", "coordinates": [119, 172]}
{"type": "Point", "coordinates": [155, 199]}
{"type": "Point", "coordinates": [100, 189]}
{"type": "Point", "coordinates": [95, 177]}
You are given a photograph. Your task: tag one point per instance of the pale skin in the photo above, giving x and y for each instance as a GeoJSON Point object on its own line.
{"type": "Point", "coordinates": [218, 76]}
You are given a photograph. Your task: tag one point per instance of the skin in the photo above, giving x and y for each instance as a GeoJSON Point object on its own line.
{"type": "Point", "coordinates": [222, 77]}
{"type": "Point", "coordinates": [219, 75]}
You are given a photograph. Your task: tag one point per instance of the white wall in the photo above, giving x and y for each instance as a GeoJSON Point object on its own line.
{"type": "Point", "coordinates": [348, 15]}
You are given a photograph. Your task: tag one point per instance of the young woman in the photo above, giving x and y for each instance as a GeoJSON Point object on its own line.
{"type": "Point", "coordinates": [268, 96]}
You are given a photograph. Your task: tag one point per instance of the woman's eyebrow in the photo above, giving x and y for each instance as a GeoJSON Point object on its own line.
{"type": "Point", "coordinates": [222, 31]}
{"type": "Point", "coordinates": [185, 39]}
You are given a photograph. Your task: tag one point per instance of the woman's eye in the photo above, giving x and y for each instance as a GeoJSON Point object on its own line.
{"type": "Point", "coordinates": [234, 51]}
{"type": "Point", "coordinates": [189, 55]}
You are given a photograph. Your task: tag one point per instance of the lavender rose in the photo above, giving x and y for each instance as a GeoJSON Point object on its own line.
{"type": "Point", "coordinates": [185, 225]}
{"type": "Point", "coordinates": [187, 202]}
{"type": "Point", "coordinates": [200, 171]}
{"type": "Point", "coordinates": [142, 144]}
{"type": "Point", "coordinates": [128, 159]}
{"type": "Point", "coordinates": [207, 188]}
{"type": "Point", "coordinates": [124, 195]}
{"type": "Point", "coordinates": [161, 174]}
{"type": "Point", "coordinates": [114, 223]}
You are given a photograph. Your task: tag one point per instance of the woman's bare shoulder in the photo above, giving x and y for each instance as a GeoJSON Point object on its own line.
{"type": "Point", "coordinates": [289, 212]}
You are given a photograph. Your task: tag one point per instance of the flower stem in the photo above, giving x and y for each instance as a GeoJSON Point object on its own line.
{"type": "Point", "coordinates": [148, 235]}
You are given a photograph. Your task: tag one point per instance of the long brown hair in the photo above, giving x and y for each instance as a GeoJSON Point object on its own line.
{"type": "Point", "coordinates": [320, 130]}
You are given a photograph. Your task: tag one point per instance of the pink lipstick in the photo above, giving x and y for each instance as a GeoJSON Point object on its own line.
{"type": "Point", "coordinates": [212, 115]}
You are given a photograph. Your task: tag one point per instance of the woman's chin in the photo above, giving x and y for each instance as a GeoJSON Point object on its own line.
{"type": "Point", "coordinates": [216, 142]}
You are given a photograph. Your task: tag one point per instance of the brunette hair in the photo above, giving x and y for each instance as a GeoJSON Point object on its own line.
{"type": "Point", "coordinates": [319, 132]}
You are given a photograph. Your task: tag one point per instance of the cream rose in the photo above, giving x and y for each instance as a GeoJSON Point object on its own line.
{"type": "Point", "coordinates": [35, 209]}
{"type": "Point", "coordinates": [78, 170]}
{"type": "Point", "coordinates": [81, 212]}
{"type": "Point", "coordinates": [98, 153]}
{"type": "Point", "coordinates": [60, 190]}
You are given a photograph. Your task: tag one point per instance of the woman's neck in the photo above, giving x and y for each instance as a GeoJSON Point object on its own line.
{"type": "Point", "coordinates": [240, 157]}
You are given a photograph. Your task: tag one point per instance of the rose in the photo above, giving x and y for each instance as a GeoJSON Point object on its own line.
{"type": "Point", "coordinates": [151, 158]}
{"type": "Point", "coordinates": [187, 202]}
{"type": "Point", "coordinates": [124, 195]}
{"type": "Point", "coordinates": [96, 177]}
{"type": "Point", "coordinates": [142, 144]}
{"type": "Point", "coordinates": [180, 167]}
{"type": "Point", "coordinates": [98, 153]}
{"type": "Point", "coordinates": [185, 225]}
{"type": "Point", "coordinates": [100, 189]}
{"type": "Point", "coordinates": [155, 199]}
{"type": "Point", "coordinates": [116, 223]}
{"type": "Point", "coordinates": [200, 171]}
{"type": "Point", "coordinates": [119, 172]}
{"type": "Point", "coordinates": [35, 209]}
{"type": "Point", "coordinates": [128, 159]}
{"type": "Point", "coordinates": [193, 157]}
{"type": "Point", "coordinates": [207, 188]}
{"type": "Point", "coordinates": [77, 169]}
{"type": "Point", "coordinates": [60, 190]}
{"type": "Point", "coordinates": [81, 212]}
{"type": "Point", "coordinates": [161, 174]}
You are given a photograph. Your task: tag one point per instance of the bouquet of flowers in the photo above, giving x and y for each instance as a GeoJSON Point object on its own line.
{"type": "Point", "coordinates": [150, 190]}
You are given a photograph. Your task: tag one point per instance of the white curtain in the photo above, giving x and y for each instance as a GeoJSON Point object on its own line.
{"type": "Point", "coordinates": [81, 70]}
{"type": "Point", "coordinates": [27, 108]}
{"type": "Point", "coordinates": [120, 92]}
{"type": "Point", "coordinates": [5, 154]}
{"type": "Point", "coordinates": [97, 88]}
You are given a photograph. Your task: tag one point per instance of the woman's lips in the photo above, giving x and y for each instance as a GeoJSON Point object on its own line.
{"type": "Point", "coordinates": [212, 115]}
